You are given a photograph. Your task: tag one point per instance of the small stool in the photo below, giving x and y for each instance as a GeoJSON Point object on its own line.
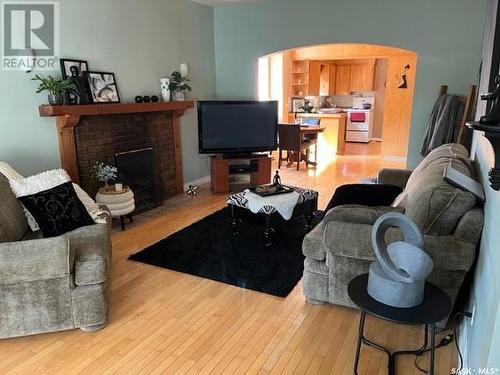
{"type": "Point", "coordinates": [435, 307]}
{"type": "Point", "coordinates": [120, 203]}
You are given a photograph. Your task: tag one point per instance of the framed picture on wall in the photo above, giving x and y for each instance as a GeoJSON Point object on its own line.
{"type": "Point", "coordinates": [102, 87]}
{"type": "Point", "coordinates": [67, 64]}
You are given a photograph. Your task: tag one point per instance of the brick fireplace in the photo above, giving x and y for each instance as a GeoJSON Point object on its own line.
{"type": "Point", "coordinates": [100, 138]}
{"type": "Point", "coordinates": [99, 132]}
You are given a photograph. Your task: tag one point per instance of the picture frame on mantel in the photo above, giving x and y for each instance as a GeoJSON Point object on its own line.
{"type": "Point", "coordinates": [66, 65]}
{"type": "Point", "coordinates": [102, 87]}
{"type": "Point", "coordinates": [80, 94]}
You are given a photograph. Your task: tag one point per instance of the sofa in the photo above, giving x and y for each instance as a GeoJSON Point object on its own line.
{"type": "Point", "coordinates": [51, 284]}
{"type": "Point", "coordinates": [339, 248]}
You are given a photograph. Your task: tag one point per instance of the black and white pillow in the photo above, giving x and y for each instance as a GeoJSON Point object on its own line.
{"type": "Point", "coordinates": [57, 210]}
{"type": "Point", "coordinates": [42, 182]}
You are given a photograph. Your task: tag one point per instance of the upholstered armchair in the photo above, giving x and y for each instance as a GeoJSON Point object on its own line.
{"type": "Point", "coordinates": [51, 284]}
{"type": "Point", "coordinates": [339, 248]}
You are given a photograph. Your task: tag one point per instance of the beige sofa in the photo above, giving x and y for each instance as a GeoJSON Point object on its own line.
{"type": "Point", "coordinates": [339, 248]}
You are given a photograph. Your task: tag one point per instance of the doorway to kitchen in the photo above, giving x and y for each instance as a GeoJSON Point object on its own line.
{"type": "Point", "coordinates": [361, 94]}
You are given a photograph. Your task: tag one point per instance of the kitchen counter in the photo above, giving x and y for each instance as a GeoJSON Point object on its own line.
{"type": "Point", "coordinates": [319, 115]}
{"type": "Point", "coordinates": [332, 140]}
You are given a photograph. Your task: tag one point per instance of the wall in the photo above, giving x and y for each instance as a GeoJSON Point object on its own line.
{"type": "Point", "coordinates": [445, 34]}
{"type": "Point", "coordinates": [482, 338]}
{"type": "Point", "coordinates": [140, 42]}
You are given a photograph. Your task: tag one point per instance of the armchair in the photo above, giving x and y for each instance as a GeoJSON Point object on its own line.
{"type": "Point", "coordinates": [340, 248]}
{"type": "Point", "coordinates": [50, 284]}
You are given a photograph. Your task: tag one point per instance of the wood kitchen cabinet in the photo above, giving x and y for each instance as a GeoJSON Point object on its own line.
{"type": "Point", "coordinates": [324, 80]}
{"type": "Point", "coordinates": [354, 75]}
{"type": "Point", "coordinates": [314, 77]}
{"type": "Point", "coordinates": [361, 78]}
{"type": "Point", "coordinates": [333, 83]}
{"type": "Point", "coordinates": [343, 80]}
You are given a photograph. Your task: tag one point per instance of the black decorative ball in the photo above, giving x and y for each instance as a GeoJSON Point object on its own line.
{"type": "Point", "coordinates": [138, 99]}
{"type": "Point", "coordinates": [146, 98]}
{"type": "Point", "coordinates": [154, 99]}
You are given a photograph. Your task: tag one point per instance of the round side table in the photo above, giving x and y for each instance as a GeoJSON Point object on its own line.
{"type": "Point", "coordinates": [435, 307]}
{"type": "Point", "coordinates": [120, 203]}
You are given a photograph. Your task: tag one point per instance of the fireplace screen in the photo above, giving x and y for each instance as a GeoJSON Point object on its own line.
{"type": "Point", "coordinates": [136, 169]}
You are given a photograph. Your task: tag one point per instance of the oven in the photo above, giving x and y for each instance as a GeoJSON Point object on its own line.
{"type": "Point", "coordinates": [359, 125]}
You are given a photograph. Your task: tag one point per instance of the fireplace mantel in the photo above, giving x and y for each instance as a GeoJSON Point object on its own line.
{"type": "Point", "coordinates": [68, 116]}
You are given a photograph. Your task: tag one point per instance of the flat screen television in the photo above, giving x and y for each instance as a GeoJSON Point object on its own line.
{"type": "Point", "coordinates": [236, 126]}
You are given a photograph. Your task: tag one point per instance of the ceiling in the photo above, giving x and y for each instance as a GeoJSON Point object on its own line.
{"type": "Point", "coordinates": [223, 2]}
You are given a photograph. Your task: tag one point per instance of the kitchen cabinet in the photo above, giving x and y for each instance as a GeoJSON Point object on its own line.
{"type": "Point", "coordinates": [333, 74]}
{"type": "Point", "coordinates": [314, 78]}
{"type": "Point", "coordinates": [361, 77]}
{"type": "Point", "coordinates": [332, 140]}
{"type": "Point", "coordinates": [324, 80]}
{"type": "Point", "coordinates": [343, 80]}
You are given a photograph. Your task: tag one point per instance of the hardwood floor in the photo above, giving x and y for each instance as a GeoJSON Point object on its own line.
{"type": "Point", "coordinates": [168, 322]}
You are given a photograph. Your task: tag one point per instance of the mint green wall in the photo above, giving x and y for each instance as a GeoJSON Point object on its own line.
{"type": "Point", "coordinates": [446, 34]}
{"type": "Point", "coordinates": [140, 41]}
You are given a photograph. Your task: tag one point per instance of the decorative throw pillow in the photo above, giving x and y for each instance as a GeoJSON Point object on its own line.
{"type": "Point", "coordinates": [57, 210]}
{"type": "Point", "coordinates": [46, 180]}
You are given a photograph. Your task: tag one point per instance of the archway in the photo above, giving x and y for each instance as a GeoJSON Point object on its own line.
{"type": "Point", "coordinates": [341, 72]}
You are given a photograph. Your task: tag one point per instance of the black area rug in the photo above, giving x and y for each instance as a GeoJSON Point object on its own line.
{"type": "Point", "coordinates": [208, 249]}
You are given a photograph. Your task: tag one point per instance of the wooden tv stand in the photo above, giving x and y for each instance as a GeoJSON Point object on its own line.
{"type": "Point", "coordinates": [260, 173]}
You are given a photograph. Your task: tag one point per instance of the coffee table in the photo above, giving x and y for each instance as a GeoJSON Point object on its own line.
{"type": "Point", "coordinates": [306, 205]}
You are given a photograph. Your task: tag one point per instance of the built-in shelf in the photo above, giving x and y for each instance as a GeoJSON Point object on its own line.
{"type": "Point", "coordinates": [107, 109]}
{"type": "Point", "coordinates": [492, 133]}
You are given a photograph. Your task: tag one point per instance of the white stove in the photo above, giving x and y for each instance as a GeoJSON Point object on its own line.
{"type": "Point", "coordinates": [360, 121]}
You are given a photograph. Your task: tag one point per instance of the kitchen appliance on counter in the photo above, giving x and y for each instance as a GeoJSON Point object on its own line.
{"type": "Point", "coordinates": [360, 120]}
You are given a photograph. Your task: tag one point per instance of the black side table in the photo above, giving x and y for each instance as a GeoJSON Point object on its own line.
{"type": "Point", "coordinates": [435, 307]}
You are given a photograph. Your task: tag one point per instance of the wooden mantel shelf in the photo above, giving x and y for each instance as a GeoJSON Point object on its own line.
{"type": "Point", "coordinates": [107, 109]}
{"type": "Point", "coordinates": [68, 117]}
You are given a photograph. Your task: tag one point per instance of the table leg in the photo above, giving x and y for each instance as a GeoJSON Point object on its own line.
{"type": "Point", "coordinates": [122, 222]}
{"type": "Point", "coordinates": [433, 347]}
{"type": "Point", "coordinates": [360, 338]}
{"type": "Point", "coordinates": [234, 222]}
{"type": "Point", "coordinates": [267, 231]}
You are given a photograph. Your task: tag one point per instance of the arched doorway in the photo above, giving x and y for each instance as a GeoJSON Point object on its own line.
{"type": "Point", "coordinates": [335, 74]}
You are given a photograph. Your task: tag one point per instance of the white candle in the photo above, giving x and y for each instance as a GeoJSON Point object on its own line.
{"type": "Point", "coordinates": [184, 70]}
{"type": "Point", "coordinates": [118, 187]}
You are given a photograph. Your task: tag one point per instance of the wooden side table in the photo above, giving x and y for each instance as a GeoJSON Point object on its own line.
{"type": "Point", "coordinates": [435, 307]}
{"type": "Point", "coordinates": [120, 203]}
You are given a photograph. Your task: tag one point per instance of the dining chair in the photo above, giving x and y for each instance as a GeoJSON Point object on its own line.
{"type": "Point", "coordinates": [311, 138]}
{"type": "Point", "coordinates": [290, 140]}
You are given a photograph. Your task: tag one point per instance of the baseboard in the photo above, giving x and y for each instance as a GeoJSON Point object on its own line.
{"type": "Point", "coordinates": [395, 158]}
{"type": "Point", "coordinates": [462, 342]}
{"type": "Point", "coordinates": [198, 181]}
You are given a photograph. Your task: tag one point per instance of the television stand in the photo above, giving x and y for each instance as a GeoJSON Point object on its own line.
{"type": "Point", "coordinates": [225, 166]}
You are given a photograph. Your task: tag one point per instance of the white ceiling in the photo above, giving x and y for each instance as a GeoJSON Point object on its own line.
{"type": "Point", "coordinates": [213, 3]}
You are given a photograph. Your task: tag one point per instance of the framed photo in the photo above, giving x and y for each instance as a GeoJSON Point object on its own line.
{"type": "Point", "coordinates": [295, 104]}
{"type": "Point", "coordinates": [102, 87]}
{"type": "Point", "coordinates": [66, 65]}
